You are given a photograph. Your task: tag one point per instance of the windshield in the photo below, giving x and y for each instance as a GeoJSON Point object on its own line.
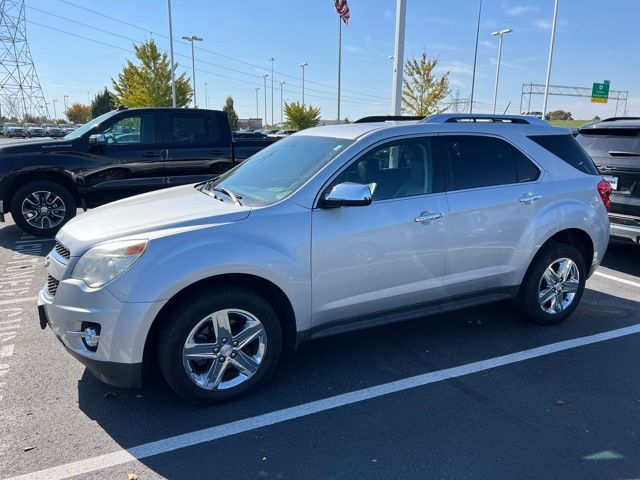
{"type": "Point", "coordinates": [277, 171]}
{"type": "Point", "coordinates": [89, 125]}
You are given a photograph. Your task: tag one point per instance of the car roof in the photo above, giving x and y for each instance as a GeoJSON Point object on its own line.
{"type": "Point", "coordinates": [450, 123]}
{"type": "Point", "coordinates": [613, 122]}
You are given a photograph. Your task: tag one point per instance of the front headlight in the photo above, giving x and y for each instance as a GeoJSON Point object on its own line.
{"type": "Point", "coordinates": [105, 262]}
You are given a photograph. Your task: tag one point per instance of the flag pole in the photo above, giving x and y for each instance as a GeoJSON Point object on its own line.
{"type": "Point", "coordinates": [339, 61]}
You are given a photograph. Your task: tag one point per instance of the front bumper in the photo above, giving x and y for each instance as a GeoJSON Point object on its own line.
{"type": "Point", "coordinates": [117, 360]}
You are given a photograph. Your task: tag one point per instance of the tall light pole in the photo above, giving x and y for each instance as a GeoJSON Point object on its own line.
{"type": "Point", "coordinates": [66, 107]}
{"type": "Point", "coordinates": [264, 77]}
{"type": "Point", "coordinates": [302, 65]}
{"type": "Point", "coordinates": [398, 57]}
{"type": "Point", "coordinates": [55, 115]}
{"type": "Point", "coordinates": [272, 60]}
{"type": "Point", "coordinates": [281, 104]}
{"type": "Point", "coordinates": [193, 39]}
{"type": "Point", "coordinates": [553, 39]}
{"type": "Point", "coordinates": [475, 59]}
{"type": "Point", "coordinates": [206, 99]}
{"type": "Point", "coordinates": [173, 73]}
{"type": "Point", "coordinates": [499, 33]}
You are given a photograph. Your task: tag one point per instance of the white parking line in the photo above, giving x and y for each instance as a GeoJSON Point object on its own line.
{"type": "Point", "coordinates": [221, 431]}
{"type": "Point", "coordinates": [18, 300]}
{"type": "Point", "coordinates": [617, 279]}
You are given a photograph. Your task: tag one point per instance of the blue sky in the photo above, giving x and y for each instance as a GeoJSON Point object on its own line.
{"type": "Point", "coordinates": [595, 41]}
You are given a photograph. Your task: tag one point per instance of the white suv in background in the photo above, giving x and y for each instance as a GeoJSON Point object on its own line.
{"type": "Point", "coordinates": [331, 229]}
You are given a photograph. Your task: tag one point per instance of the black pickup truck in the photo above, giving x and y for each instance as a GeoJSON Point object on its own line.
{"type": "Point", "coordinates": [116, 155]}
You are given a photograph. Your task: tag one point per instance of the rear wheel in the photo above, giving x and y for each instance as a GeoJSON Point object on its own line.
{"type": "Point", "coordinates": [42, 207]}
{"type": "Point", "coordinates": [554, 284]}
{"type": "Point", "coordinates": [219, 344]}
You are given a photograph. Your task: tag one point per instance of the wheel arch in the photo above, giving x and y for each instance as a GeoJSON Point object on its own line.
{"type": "Point", "coordinates": [267, 289]}
{"type": "Point", "coordinates": [23, 178]}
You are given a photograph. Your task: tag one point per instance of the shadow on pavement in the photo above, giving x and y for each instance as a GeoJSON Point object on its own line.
{"type": "Point", "coordinates": [623, 257]}
{"type": "Point", "coordinates": [348, 362]}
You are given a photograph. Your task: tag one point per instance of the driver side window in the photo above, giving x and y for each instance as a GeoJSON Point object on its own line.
{"type": "Point", "coordinates": [399, 169]}
{"type": "Point", "coordinates": [136, 129]}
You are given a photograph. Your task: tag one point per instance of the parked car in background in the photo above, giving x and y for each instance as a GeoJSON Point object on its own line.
{"type": "Point", "coordinates": [53, 130]}
{"type": "Point", "coordinates": [67, 129]}
{"type": "Point", "coordinates": [248, 134]}
{"type": "Point", "coordinates": [14, 130]}
{"type": "Point", "coordinates": [43, 182]}
{"type": "Point", "coordinates": [332, 229]}
{"type": "Point", "coordinates": [33, 130]}
{"type": "Point", "coordinates": [614, 146]}
{"type": "Point", "coordinates": [282, 133]}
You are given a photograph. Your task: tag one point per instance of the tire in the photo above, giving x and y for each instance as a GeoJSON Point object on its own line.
{"type": "Point", "coordinates": [542, 292]}
{"type": "Point", "coordinates": [191, 320]}
{"type": "Point", "coordinates": [59, 203]}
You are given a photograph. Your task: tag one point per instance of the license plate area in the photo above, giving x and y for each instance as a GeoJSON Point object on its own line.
{"type": "Point", "coordinates": [613, 180]}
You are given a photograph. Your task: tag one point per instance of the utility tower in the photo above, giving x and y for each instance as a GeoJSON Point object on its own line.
{"type": "Point", "coordinates": [20, 90]}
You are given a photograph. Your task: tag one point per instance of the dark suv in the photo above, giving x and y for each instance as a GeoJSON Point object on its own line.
{"type": "Point", "coordinates": [614, 146]}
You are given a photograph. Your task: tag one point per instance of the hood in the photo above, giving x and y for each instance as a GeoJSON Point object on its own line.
{"type": "Point", "coordinates": [33, 146]}
{"type": "Point", "coordinates": [146, 216]}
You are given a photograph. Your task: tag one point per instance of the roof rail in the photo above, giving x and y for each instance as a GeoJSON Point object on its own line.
{"type": "Point", "coordinates": [613, 119]}
{"type": "Point", "coordinates": [387, 118]}
{"type": "Point", "coordinates": [484, 118]}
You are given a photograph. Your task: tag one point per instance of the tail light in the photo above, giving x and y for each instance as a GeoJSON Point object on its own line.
{"type": "Point", "coordinates": [604, 189]}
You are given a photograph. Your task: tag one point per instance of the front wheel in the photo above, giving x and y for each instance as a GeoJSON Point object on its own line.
{"type": "Point", "coordinates": [41, 208]}
{"type": "Point", "coordinates": [218, 344]}
{"type": "Point", "coordinates": [554, 284]}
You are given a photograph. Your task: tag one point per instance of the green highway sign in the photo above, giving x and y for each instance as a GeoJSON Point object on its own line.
{"type": "Point", "coordinates": [600, 92]}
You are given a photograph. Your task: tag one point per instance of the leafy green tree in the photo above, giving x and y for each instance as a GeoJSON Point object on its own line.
{"type": "Point", "coordinates": [422, 91]}
{"type": "Point", "coordinates": [231, 113]}
{"type": "Point", "coordinates": [300, 116]}
{"type": "Point", "coordinates": [149, 83]}
{"type": "Point", "coordinates": [102, 103]}
{"type": "Point", "coordinates": [78, 113]}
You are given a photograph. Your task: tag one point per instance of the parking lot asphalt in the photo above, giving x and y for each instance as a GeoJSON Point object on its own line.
{"type": "Point", "coordinates": [479, 393]}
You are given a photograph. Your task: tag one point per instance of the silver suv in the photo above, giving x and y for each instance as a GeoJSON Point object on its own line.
{"type": "Point", "coordinates": [331, 229]}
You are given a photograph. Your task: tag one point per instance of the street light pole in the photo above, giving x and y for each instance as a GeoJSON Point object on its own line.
{"type": "Point", "coordinates": [206, 99]}
{"type": "Point", "coordinates": [475, 59]}
{"type": "Point", "coordinates": [264, 77]}
{"type": "Point", "coordinates": [500, 34]}
{"type": "Point", "coordinates": [302, 65]}
{"type": "Point", "coordinates": [281, 104]}
{"type": "Point", "coordinates": [272, 119]}
{"type": "Point", "coordinates": [173, 73]}
{"type": "Point", "coordinates": [55, 115]}
{"type": "Point", "coordinates": [193, 39]}
{"type": "Point", "coordinates": [553, 39]}
{"type": "Point", "coordinates": [398, 57]}
{"type": "Point", "coordinates": [66, 107]}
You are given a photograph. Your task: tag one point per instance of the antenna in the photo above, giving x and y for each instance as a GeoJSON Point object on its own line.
{"type": "Point", "coordinates": [20, 90]}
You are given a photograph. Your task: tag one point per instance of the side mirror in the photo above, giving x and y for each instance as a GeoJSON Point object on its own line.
{"type": "Point", "coordinates": [97, 139]}
{"type": "Point", "coordinates": [347, 194]}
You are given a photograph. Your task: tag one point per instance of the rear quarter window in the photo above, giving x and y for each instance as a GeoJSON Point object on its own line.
{"type": "Point", "coordinates": [567, 149]}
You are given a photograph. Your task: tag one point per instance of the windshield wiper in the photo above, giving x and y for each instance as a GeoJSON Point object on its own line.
{"type": "Point", "coordinates": [234, 198]}
{"type": "Point", "coordinates": [618, 153]}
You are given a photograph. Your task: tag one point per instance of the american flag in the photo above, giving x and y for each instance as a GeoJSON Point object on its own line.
{"type": "Point", "coordinates": [343, 10]}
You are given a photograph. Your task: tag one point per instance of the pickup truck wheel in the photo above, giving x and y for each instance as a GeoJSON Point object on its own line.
{"type": "Point", "coordinates": [554, 284]}
{"type": "Point", "coordinates": [219, 344]}
{"type": "Point", "coordinates": [41, 208]}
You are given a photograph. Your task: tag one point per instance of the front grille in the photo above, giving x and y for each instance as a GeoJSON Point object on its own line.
{"type": "Point", "coordinates": [62, 250]}
{"type": "Point", "coordinates": [52, 285]}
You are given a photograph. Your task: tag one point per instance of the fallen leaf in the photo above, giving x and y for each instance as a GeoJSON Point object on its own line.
{"type": "Point", "coordinates": [28, 449]}
{"type": "Point", "coordinates": [132, 476]}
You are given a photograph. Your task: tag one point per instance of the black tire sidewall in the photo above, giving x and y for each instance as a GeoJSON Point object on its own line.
{"type": "Point", "coordinates": [529, 292]}
{"type": "Point", "coordinates": [53, 187]}
{"type": "Point", "coordinates": [181, 319]}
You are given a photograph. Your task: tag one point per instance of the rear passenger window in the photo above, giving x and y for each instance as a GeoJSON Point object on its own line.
{"type": "Point", "coordinates": [566, 148]}
{"type": "Point", "coordinates": [193, 128]}
{"type": "Point", "coordinates": [478, 161]}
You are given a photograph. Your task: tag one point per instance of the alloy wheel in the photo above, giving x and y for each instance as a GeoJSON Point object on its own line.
{"type": "Point", "coordinates": [43, 209]}
{"type": "Point", "coordinates": [224, 349]}
{"type": "Point", "coordinates": [558, 286]}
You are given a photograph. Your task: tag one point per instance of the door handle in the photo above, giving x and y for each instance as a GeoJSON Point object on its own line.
{"type": "Point", "coordinates": [529, 197]}
{"type": "Point", "coordinates": [428, 217]}
{"type": "Point", "coordinates": [151, 154]}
